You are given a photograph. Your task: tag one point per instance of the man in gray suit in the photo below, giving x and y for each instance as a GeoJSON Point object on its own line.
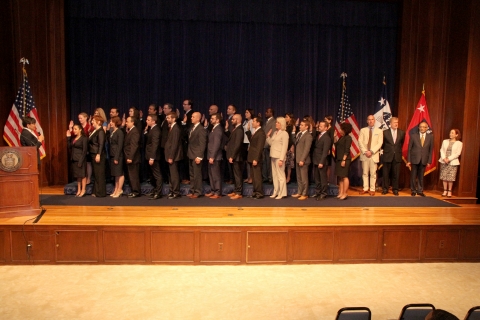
{"type": "Point", "coordinates": [214, 156]}
{"type": "Point", "coordinates": [197, 142]}
{"type": "Point", "coordinates": [303, 142]}
{"type": "Point", "coordinates": [323, 144]}
{"type": "Point", "coordinates": [420, 149]}
{"type": "Point", "coordinates": [255, 156]}
{"type": "Point", "coordinates": [267, 164]}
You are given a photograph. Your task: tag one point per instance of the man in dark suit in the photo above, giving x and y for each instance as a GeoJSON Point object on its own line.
{"type": "Point", "coordinates": [186, 126]}
{"type": "Point", "coordinates": [228, 167]}
{"type": "Point", "coordinates": [153, 154]}
{"type": "Point", "coordinates": [132, 156]}
{"type": "Point", "coordinates": [174, 154]}
{"type": "Point", "coordinates": [197, 142]}
{"type": "Point", "coordinates": [323, 144]}
{"type": "Point", "coordinates": [303, 143]}
{"type": "Point", "coordinates": [28, 137]}
{"type": "Point", "coordinates": [267, 164]}
{"type": "Point", "coordinates": [393, 139]}
{"type": "Point", "coordinates": [214, 156]}
{"type": "Point", "coordinates": [255, 156]}
{"type": "Point", "coordinates": [164, 127]}
{"type": "Point", "coordinates": [420, 149]}
{"type": "Point", "coordinates": [235, 155]}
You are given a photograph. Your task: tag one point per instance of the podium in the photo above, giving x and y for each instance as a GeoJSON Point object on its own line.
{"type": "Point", "coordinates": [19, 182]}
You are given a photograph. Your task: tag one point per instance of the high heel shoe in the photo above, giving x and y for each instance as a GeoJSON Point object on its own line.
{"type": "Point", "coordinates": [81, 195]}
{"type": "Point", "coordinates": [444, 194]}
{"type": "Point", "coordinates": [117, 195]}
{"type": "Point", "coordinates": [343, 197]}
{"type": "Point", "coordinates": [273, 196]}
{"type": "Point", "coordinates": [449, 193]}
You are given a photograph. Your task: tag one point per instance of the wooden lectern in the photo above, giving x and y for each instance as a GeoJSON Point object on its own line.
{"type": "Point", "coordinates": [18, 182]}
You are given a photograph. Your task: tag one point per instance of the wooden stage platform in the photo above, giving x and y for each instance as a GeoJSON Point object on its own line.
{"type": "Point", "coordinates": [236, 235]}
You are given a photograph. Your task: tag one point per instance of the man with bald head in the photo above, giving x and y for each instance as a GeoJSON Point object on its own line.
{"type": "Point", "coordinates": [197, 142]}
{"type": "Point", "coordinates": [370, 142]}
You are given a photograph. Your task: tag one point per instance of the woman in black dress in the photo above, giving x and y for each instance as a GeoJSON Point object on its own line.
{"type": "Point", "coordinates": [116, 156]}
{"type": "Point", "coordinates": [78, 144]}
{"type": "Point", "coordinates": [343, 159]}
{"type": "Point", "coordinates": [96, 148]}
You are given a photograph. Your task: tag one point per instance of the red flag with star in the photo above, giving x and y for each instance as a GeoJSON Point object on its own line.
{"type": "Point", "coordinates": [421, 114]}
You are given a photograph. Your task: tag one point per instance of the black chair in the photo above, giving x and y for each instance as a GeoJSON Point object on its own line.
{"type": "Point", "coordinates": [354, 313]}
{"type": "Point", "coordinates": [417, 311]}
{"type": "Point", "coordinates": [473, 314]}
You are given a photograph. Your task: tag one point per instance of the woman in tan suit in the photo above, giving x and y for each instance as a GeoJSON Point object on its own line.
{"type": "Point", "coordinates": [278, 152]}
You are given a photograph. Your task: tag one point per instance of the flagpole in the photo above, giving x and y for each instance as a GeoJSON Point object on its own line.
{"type": "Point", "coordinates": [24, 61]}
{"type": "Point", "coordinates": [343, 76]}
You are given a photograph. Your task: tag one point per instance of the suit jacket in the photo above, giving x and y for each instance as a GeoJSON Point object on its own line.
{"type": "Point", "coordinates": [278, 142]}
{"type": "Point", "coordinates": [456, 151]}
{"type": "Point", "coordinates": [173, 145]}
{"type": "Point", "coordinates": [131, 147]}
{"type": "Point", "coordinates": [269, 125]}
{"type": "Point", "coordinates": [152, 145]}
{"type": "Point", "coordinates": [216, 141]}
{"type": "Point", "coordinates": [27, 139]}
{"type": "Point", "coordinates": [235, 143]}
{"type": "Point", "coordinates": [322, 147]}
{"type": "Point", "coordinates": [376, 144]}
{"type": "Point", "coordinates": [418, 154]}
{"type": "Point", "coordinates": [197, 142]}
{"type": "Point", "coordinates": [96, 142]}
{"type": "Point", "coordinates": [342, 148]}
{"type": "Point", "coordinates": [164, 128]}
{"type": "Point", "coordinates": [116, 144]}
{"type": "Point", "coordinates": [392, 151]}
{"type": "Point", "coordinates": [257, 142]}
{"type": "Point", "coordinates": [302, 148]}
{"type": "Point", "coordinates": [79, 149]}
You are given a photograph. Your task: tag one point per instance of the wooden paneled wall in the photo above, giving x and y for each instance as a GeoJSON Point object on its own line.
{"type": "Point", "coordinates": [439, 46]}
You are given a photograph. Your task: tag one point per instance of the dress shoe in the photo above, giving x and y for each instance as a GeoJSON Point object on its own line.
{"type": "Point", "coordinates": [384, 192]}
{"type": "Point", "coordinates": [155, 197]}
{"type": "Point", "coordinates": [258, 197]}
{"type": "Point", "coordinates": [229, 182]}
{"type": "Point", "coordinates": [194, 196]}
{"type": "Point", "coordinates": [320, 198]}
{"type": "Point", "coordinates": [190, 195]}
{"type": "Point", "coordinates": [174, 196]}
{"type": "Point", "coordinates": [363, 192]}
{"type": "Point", "coordinates": [209, 194]}
{"type": "Point", "coordinates": [134, 195]}
{"type": "Point", "coordinates": [395, 193]}
{"type": "Point", "coordinates": [421, 194]}
{"type": "Point", "coordinates": [185, 181]}
{"type": "Point", "coordinates": [215, 196]}
{"type": "Point", "coordinates": [231, 194]}
{"type": "Point", "coordinates": [316, 195]}
{"type": "Point", "coordinates": [237, 196]}
{"type": "Point", "coordinates": [302, 198]}
{"type": "Point", "coordinates": [372, 193]}
{"type": "Point", "coordinates": [414, 194]}
{"type": "Point", "coordinates": [296, 195]}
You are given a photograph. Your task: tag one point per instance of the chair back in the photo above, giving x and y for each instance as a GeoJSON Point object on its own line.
{"type": "Point", "coordinates": [354, 313]}
{"type": "Point", "coordinates": [417, 311]}
{"type": "Point", "coordinates": [473, 314]}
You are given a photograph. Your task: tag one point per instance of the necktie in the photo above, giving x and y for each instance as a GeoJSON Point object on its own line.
{"type": "Point", "coordinates": [394, 136]}
{"type": "Point", "coordinates": [369, 139]}
{"type": "Point", "coordinates": [299, 135]}
{"type": "Point", "coordinates": [422, 139]}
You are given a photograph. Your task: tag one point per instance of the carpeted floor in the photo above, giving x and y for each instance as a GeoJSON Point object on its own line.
{"type": "Point", "coordinates": [352, 201]}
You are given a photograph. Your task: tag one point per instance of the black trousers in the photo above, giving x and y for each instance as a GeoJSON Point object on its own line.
{"type": "Point", "coordinates": [174, 178]}
{"type": "Point", "coordinates": [99, 187]}
{"type": "Point", "coordinates": [196, 185]}
{"type": "Point", "coordinates": [257, 180]}
{"type": "Point", "coordinates": [321, 180]}
{"type": "Point", "coordinates": [391, 169]}
{"type": "Point", "coordinates": [417, 172]}
{"type": "Point", "coordinates": [157, 175]}
{"type": "Point", "coordinates": [267, 165]}
{"type": "Point", "coordinates": [238, 176]}
{"type": "Point", "coordinates": [134, 174]}
{"type": "Point", "coordinates": [215, 176]}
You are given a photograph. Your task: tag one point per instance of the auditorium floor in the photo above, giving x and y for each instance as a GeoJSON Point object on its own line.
{"type": "Point", "coordinates": [233, 292]}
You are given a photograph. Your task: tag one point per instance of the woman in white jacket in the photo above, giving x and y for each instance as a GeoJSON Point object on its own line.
{"type": "Point", "coordinates": [449, 153]}
{"type": "Point", "coordinates": [278, 142]}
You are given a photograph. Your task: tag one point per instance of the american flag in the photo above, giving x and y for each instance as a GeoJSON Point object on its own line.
{"type": "Point", "coordinates": [345, 114]}
{"type": "Point", "coordinates": [23, 106]}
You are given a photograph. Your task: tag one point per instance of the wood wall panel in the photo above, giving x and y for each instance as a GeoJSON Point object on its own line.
{"type": "Point", "coordinates": [41, 246]}
{"type": "Point", "coordinates": [267, 246]}
{"type": "Point", "coordinates": [173, 246]}
{"type": "Point", "coordinates": [313, 246]}
{"type": "Point", "coordinates": [124, 246]}
{"type": "Point", "coordinates": [76, 246]}
{"type": "Point", "coordinates": [401, 245]}
{"type": "Point", "coordinates": [470, 245]}
{"type": "Point", "coordinates": [3, 249]}
{"type": "Point", "coordinates": [352, 246]}
{"type": "Point", "coordinates": [216, 246]}
{"type": "Point", "coordinates": [442, 244]}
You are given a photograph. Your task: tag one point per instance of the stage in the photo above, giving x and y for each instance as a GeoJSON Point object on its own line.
{"type": "Point", "coordinates": [179, 233]}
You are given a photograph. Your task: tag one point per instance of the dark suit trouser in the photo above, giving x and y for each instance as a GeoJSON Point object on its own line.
{"type": "Point", "coordinates": [417, 172]}
{"type": "Point", "coordinates": [302, 179]}
{"type": "Point", "coordinates": [174, 178]}
{"type": "Point", "coordinates": [390, 169]}
{"type": "Point", "coordinates": [267, 165]}
{"type": "Point", "coordinates": [321, 180]}
{"type": "Point", "coordinates": [157, 174]}
{"type": "Point", "coordinates": [196, 185]}
{"type": "Point", "coordinates": [215, 176]}
{"type": "Point", "coordinates": [257, 181]}
{"type": "Point", "coordinates": [134, 174]}
{"type": "Point", "coordinates": [99, 188]}
{"type": "Point", "coordinates": [238, 176]}
{"type": "Point", "coordinates": [164, 166]}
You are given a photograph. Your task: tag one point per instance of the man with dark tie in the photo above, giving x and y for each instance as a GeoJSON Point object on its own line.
{"type": "Point", "coordinates": [173, 154]}
{"type": "Point", "coordinates": [303, 142]}
{"type": "Point", "coordinates": [186, 125]}
{"type": "Point", "coordinates": [164, 127]}
{"type": "Point", "coordinates": [214, 156]}
{"type": "Point", "coordinates": [197, 142]}
{"type": "Point", "coordinates": [235, 155]}
{"type": "Point", "coordinates": [321, 150]}
{"type": "Point", "coordinates": [393, 139]}
{"type": "Point", "coordinates": [255, 156]}
{"type": "Point", "coordinates": [132, 156]}
{"type": "Point", "coordinates": [153, 154]}
{"type": "Point", "coordinates": [228, 169]}
{"type": "Point", "coordinates": [420, 149]}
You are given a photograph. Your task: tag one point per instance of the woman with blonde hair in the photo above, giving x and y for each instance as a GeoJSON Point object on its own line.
{"type": "Point", "coordinates": [278, 153]}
